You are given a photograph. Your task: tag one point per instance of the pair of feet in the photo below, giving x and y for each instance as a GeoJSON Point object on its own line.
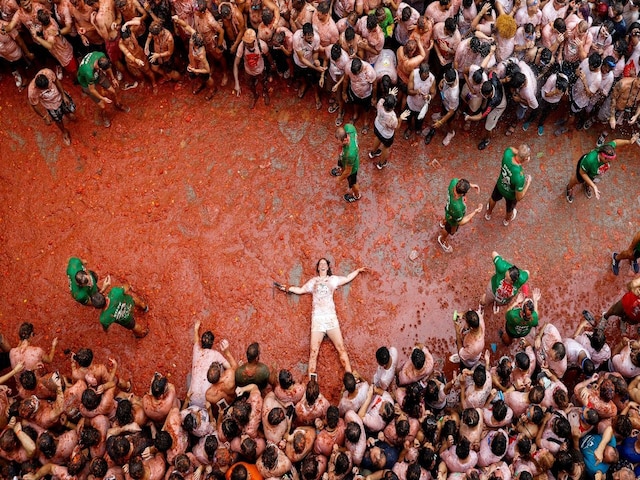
{"type": "Point", "coordinates": [615, 264]}
{"type": "Point", "coordinates": [506, 221]}
{"type": "Point", "coordinates": [588, 192]}
{"type": "Point", "coordinates": [376, 153]}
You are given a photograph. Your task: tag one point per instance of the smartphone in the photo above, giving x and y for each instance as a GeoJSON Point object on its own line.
{"type": "Point", "coordinates": [222, 404]}
{"type": "Point", "coordinates": [314, 377]}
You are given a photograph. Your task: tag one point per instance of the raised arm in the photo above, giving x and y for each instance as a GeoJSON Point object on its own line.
{"type": "Point", "coordinates": [352, 275]}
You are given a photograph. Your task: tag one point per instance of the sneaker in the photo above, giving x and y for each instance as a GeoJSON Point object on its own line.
{"type": "Point", "coordinates": [441, 224]}
{"type": "Point", "coordinates": [615, 264]}
{"type": "Point", "coordinates": [506, 222]}
{"type": "Point", "coordinates": [380, 166]}
{"type": "Point", "coordinates": [560, 131]}
{"type": "Point", "coordinates": [445, 247]}
{"type": "Point", "coordinates": [569, 196]}
{"type": "Point", "coordinates": [287, 74]}
{"type": "Point", "coordinates": [601, 139]}
{"type": "Point", "coordinates": [375, 153]}
{"type": "Point", "coordinates": [634, 264]}
{"type": "Point", "coordinates": [484, 144]}
{"type": "Point", "coordinates": [130, 86]}
{"type": "Point", "coordinates": [118, 75]}
{"type": "Point", "coordinates": [59, 72]}
{"type": "Point", "coordinates": [448, 138]}
{"type": "Point", "coordinates": [429, 136]}
{"type": "Point", "coordinates": [588, 192]}
{"type": "Point", "coordinates": [487, 216]}
{"type": "Point", "coordinates": [540, 130]}
{"type": "Point", "coordinates": [455, 358]}
{"type": "Point", "coordinates": [18, 78]}
{"type": "Point", "coordinates": [588, 124]}
{"type": "Point", "coordinates": [525, 126]}
{"type": "Point", "coordinates": [336, 171]}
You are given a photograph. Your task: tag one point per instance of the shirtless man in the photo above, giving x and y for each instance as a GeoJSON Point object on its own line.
{"type": "Point", "coordinates": [107, 21]}
{"type": "Point", "coordinates": [43, 412]}
{"type": "Point", "coordinates": [83, 14]}
{"type": "Point", "coordinates": [160, 400]}
{"type": "Point", "coordinates": [255, 402]}
{"type": "Point", "coordinates": [300, 443]}
{"type": "Point", "coordinates": [163, 47]}
{"type": "Point", "coordinates": [149, 466]}
{"type": "Point", "coordinates": [273, 463]}
{"type": "Point", "coordinates": [179, 437]}
{"type": "Point", "coordinates": [624, 102]}
{"type": "Point", "coordinates": [58, 449]}
{"type": "Point", "coordinates": [198, 67]}
{"type": "Point", "coordinates": [132, 9]}
{"type": "Point", "coordinates": [470, 337]}
{"type": "Point", "coordinates": [313, 405]}
{"type": "Point", "coordinates": [99, 401]}
{"type": "Point", "coordinates": [417, 368]}
{"type": "Point", "coordinates": [234, 24]}
{"type": "Point", "coordinates": [275, 422]}
{"type": "Point", "coordinates": [287, 390]}
{"type": "Point", "coordinates": [135, 58]}
{"type": "Point", "coordinates": [213, 35]}
{"type": "Point", "coordinates": [222, 380]}
{"type": "Point", "coordinates": [256, 9]}
{"type": "Point", "coordinates": [330, 433]}
{"type": "Point", "coordinates": [30, 356]}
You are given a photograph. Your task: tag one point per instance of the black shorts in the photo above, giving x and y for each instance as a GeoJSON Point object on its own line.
{"type": "Point", "coordinates": [450, 229]}
{"type": "Point", "coordinates": [309, 74]}
{"type": "Point", "coordinates": [352, 179]}
{"type": "Point", "coordinates": [4, 361]}
{"type": "Point", "coordinates": [364, 102]}
{"type": "Point", "coordinates": [387, 142]}
{"type": "Point", "coordinates": [578, 170]}
{"type": "Point", "coordinates": [64, 108]}
{"type": "Point", "coordinates": [202, 76]}
{"type": "Point", "coordinates": [496, 196]}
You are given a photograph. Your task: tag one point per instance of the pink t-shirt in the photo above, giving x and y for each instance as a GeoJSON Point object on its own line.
{"type": "Point", "coordinates": [50, 98]}
{"type": "Point", "coordinates": [361, 84]}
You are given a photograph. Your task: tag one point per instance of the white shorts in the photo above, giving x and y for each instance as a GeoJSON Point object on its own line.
{"type": "Point", "coordinates": [324, 323]}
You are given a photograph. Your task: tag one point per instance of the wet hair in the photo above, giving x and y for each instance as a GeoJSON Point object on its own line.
{"type": "Point", "coordinates": [324, 7]}
{"type": "Point", "coordinates": [163, 441]}
{"type": "Point", "coordinates": [333, 416]}
{"type": "Point", "coordinates": [463, 186]}
{"type": "Point", "coordinates": [389, 103]}
{"type": "Point", "coordinates": [76, 464]}
{"type": "Point", "coordinates": [270, 456]}
{"type": "Point", "coordinates": [118, 448]}
{"type": "Point", "coordinates": [275, 416]}
{"type": "Point", "coordinates": [372, 21]}
{"type": "Point", "coordinates": [47, 444]}
{"type": "Point", "coordinates": [595, 60]}
{"type": "Point", "coordinates": [622, 425]}
{"type": "Point", "coordinates": [285, 379]}
{"type": "Point", "coordinates": [207, 339]}
{"type": "Point", "coordinates": [560, 25]}
{"type": "Point", "coordinates": [155, 28]}
{"type": "Point", "coordinates": [413, 472]}
{"type": "Point", "coordinates": [559, 349]}
{"type": "Point", "coordinates": [349, 382]}
{"type": "Point", "coordinates": [431, 391]}
{"type": "Point", "coordinates": [307, 29]}
{"type": "Point", "coordinates": [477, 76]}
{"type": "Point", "coordinates": [504, 369]}
{"type": "Point", "coordinates": [84, 357]}
{"type": "Point", "coordinates": [25, 332]}
{"type": "Point", "coordinates": [336, 51]}
{"type": "Point", "coordinates": [28, 380]}
{"type": "Point", "coordinates": [386, 83]}
{"type": "Point", "coordinates": [423, 68]}
{"type": "Point", "coordinates": [479, 375]}
{"type": "Point", "coordinates": [126, 33]}
{"type": "Point", "coordinates": [98, 467]}
{"type": "Point", "coordinates": [89, 436]}
{"type": "Point", "coordinates": [190, 423]}
{"type": "Point", "coordinates": [561, 427]}
{"type": "Point", "coordinates": [267, 16]}
{"type": "Point", "coordinates": [197, 39]}
{"type": "Point", "coordinates": [413, 400]}
{"type": "Point", "coordinates": [514, 274]}
{"type": "Point", "coordinates": [158, 385]}
{"type": "Point", "coordinates": [356, 65]}
{"type": "Point", "coordinates": [298, 442]}
{"type": "Point", "coordinates": [470, 417]}
{"type": "Point", "coordinates": [253, 350]}
{"type": "Point", "coordinates": [136, 468]}
{"type": "Point", "coordinates": [538, 415]}
{"type": "Point", "coordinates": [426, 458]}
{"type": "Point", "coordinates": [352, 432]}
{"type": "Point", "coordinates": [545, 56]}
{"type": "Point", "coordinates": [402, 428]}
{"type": "Point", "coordinates": [210, 445]}
{"type": "Point", "coordinates": [462, 449]}
{"type": "Point", "coordinates": [562, 82]}
{"type": "Point", "coordinates": [241, 412]}
{"type": "Point", "coordinates": [90, 399]}
{"type": "Point", "coordinates": [124, 412]}
{"type": "Point", "coordinates": [487, 88]}
{"type": "Point", "coordinates": [213, 373]}
{"type": "Point", "coordinates": [429, 427]}
{"type": "Point", "coordinates": [8, 440]}
{"type": "Point", "coordinates": [43, 17]}
{"type": "Point", "coordinates": [472, 319]}
{"type": "Point", "coordinates": [523, 444]}
{"type": "Point", "coordinates": [561, 398]}
{"type": "Point", "coordinates": [607, 390]}
{"type": "Point", "coordinates": [309, 467]}
{"type": "Point", "coordinates": [450, 427]}
{"type": "Point", "coordinates": [230, 428]}
{"type": "Point", "coordinates": [104, 63]}
{"type": "Point", "coordinates": [525, 475]}
{"type": "Point", "coordinates": [500, 410]}
{"type": "Point", "coordinates": [42, 81]}
{"type": "Point", "coordinates": [387, 411]}
{"type": "Point", "coordinates": [406, 13]}
{"type": "Point", "coordinates": [225, 10]}
{"type": "Point", "coordinates": [564, 460]}
{"type": "Point", "coordinates": [342, 463]}
{"type": "Point", "coordinates": [591, 416]}
{"type": "Point", "coordinates": [383, 356]}
{"type": "Point", "coordinates": [312, 391]}
{"type": "Point", "coordinates": [597, 340]}
{"type": "Point", "coordinates": [98, 300]}
{"type": "Point", "coordinates": [522, 361]}
{"type": "Point", "coordinates": [588, 367]}
{"type": "Point", "coordinates": [249, 447]}
{"type": "Point", "coordinates": [499, 444]}
{"type": "Point", "coordinates": [450, 25]}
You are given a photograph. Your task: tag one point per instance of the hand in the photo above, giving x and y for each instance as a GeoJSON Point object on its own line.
{"type": "Point", "coordinates": [404, 115]}
{"type": "Point", "coordinates": [321, 81]}
{"type": "Point", "coordinates": [112, 362]}
{"type": "Point", "coordinates": [536, 294]}
{"type": "Point", "coordinates": [596, 190]}
{"type": "Point", "coordinates": [371, 441]}
{"type": "Point", "coordinates": [236, 90]}
{"type": "Point", "coordinates": [54, 344]}
{"type": "Point", "coordinates": [140, 62]}
{"type": "Point", "coordinates": [394, 91]}
{"type": "Point", "coordinates": [175, 18]}
{"type": "Point", "coordinates": [107, 279]}
{"type": "Point", "coordinates": [560, 38]}
{"type": "Point", "coordinates": [479, 209]}
{"type": "Point", "coordinates": [634, 137]}
{"type": "Point", "coordinates": [55, 378]}
{"type": "Point", "coordinates": [335, 88]}
{"type": "Point", "coordinates": [224, 344]}
{"type": "Point", "coordinates": [100, 390]}
{"type": "Point", "coordinates": [189, 68]}
{"type": "Point", "coordinates": [125, 468]}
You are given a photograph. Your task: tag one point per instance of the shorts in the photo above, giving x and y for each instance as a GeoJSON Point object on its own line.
{"type": "Point", "coordinates": [324, 323]}
{"type": "Point", "coordinates": [495, 114]}
{"type": "Point", "coordinates": [387, 142]}
{"type": "Point", "coordinates": [202, 76]}
{"type": "Point", "coordinates": [113, 49]}
{"type": "Point", "coordinates": [356, 100]}
{"type": "Point", "coordinates": [102, 81]}
{"type": "Point", "coordinates": [4, 361]}
{"type": "Point", "coordinates": [578, 170]}
{"type": "Point", "coordinates": [309, 74]}
{"type": "Point", "coordinates": [352, 179]}
{"type": "Point", "coordinates": [451, 228]}
{"type": "Point", "coordinates": [64, 108]}
{"type": "Point", "coordinates": [496, 196]}
{"type": "Point", "coordinates": [128, 324]}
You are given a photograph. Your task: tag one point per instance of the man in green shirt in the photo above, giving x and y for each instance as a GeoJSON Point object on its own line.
{"type": "Point", "coordinates": [593, 164]}
{"type": "Point", "coordinates": [118, 307]}
{"type": "Point", "coordinates": [521, 317]}
{"type": "Point", "coordinates": [348, 161]}
{"type": "Point", "coordinates": [455, 210]}
{"type": "Point", "coordinates": [82, 283]}
{"type": "Point", "coordinates": [504, 284]}
{"type": "Point", "coordinates": [95, 70]}
{"type": "Point", "coordinates": [512, 184]}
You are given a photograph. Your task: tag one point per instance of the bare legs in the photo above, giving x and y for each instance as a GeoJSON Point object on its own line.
{"type": "Point", "coordinates": [335, 335]}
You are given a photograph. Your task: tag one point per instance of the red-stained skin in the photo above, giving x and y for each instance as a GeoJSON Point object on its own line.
{"type": "Point", "coordinates": [200, 206]}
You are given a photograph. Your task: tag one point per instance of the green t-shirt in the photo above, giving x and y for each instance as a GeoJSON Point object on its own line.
{"type": "Point", "coordinates": [81, 294]}
{"type": "Point", "coordinates": [86, 72]}
{"type": "Point", "coordinates": [120, 309]}
{"type": "Point", "coordinates": [502, 290]}
{"type": "Point", "coordinates": [511, 177]}
{"type": "Point", "coordinates": [517, 327]}
{"type": "Point", "coordinates": [456, 208]}
{"type": "Point", "coordinates": [387, 24]}
{"type": "Point", "coordinates": [351, 152]}
{"type": "Point", "coordinates": [592, 165]}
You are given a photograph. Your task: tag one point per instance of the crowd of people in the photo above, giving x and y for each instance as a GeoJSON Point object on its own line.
{"type": "Point", "coordinates": [476, 58]}
{"type": "Point", "coordinates": [553, 407]}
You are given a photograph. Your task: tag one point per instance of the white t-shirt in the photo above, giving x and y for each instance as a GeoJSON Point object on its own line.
{"type": "Point", "coordinates": [307, 49]}
{"type": "Point", "coordinates": [385, 122]}
{"type": "Point", "coordinates": [592, 79]}
{"type": "Point", "coordinates": [416, 102]}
